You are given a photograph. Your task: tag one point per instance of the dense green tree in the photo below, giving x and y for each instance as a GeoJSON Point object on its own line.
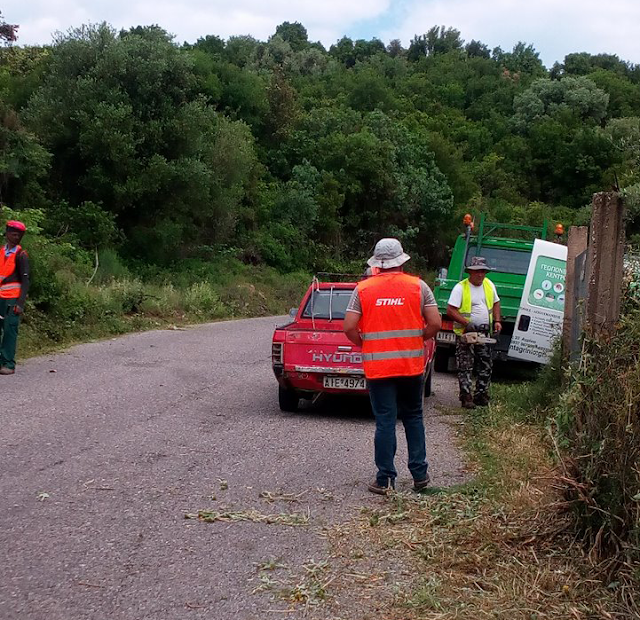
{"type": "Point", "coordinates": [241, 50]}
{"type": "Point", "coordinates": [523, 60]}
{"type": "Point", "coordinates": [205, 69]}
{"type": "Point", "coordinates": [24, 163]}
{"type": "Point", "coordinates": [343, 52]}
{"type": "Point", "coordinates": [300, 157]}
{"type": "Point", "coordinates": [243, 95]}
{"type": "Point", "coordinates": [395, 49]}
{"type": "Point", "coordinates": [120, 116]}
{"type": "Point", "coordinates": [283, 108]}
{"type": "Point", "coordinates": [370, 91]}
{"type": "Point", "coordinates": [584, 63]}
{"type": "Point", "coordinates": [211, 44]}
{"type": "Point", "coordinates": [477, 49]}
{"type": "Point", "coordinates": [578, 97]}
{"type": "Point", "coordinates": [437, 40]}
{"type": "Point", "coordinates": [295, 34]}
{"type": "Point", "coordinates": [624, 95]}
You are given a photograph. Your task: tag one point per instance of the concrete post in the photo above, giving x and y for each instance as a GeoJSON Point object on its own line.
{"type": "Point", "coordinates": [605, 262]}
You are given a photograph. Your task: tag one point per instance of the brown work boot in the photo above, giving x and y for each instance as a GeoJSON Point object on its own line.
{"type": "Point", "coordinates": [467, 401]}
{"type": "Point", "coordinates": [421, 485]}
{"type": "Point", "coordinates": [7, 371]}
{"type": "Point", "coordinates": [481, 400]}
{"type": "Point", "coordinates": [376, 488]}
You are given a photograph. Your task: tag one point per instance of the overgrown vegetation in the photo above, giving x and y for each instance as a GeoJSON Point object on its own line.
{"type": "Point", "coordinates": [500, 546]}
{"type": "Point", "coordinates": [178, 163]}
{"type": "Point", "coordinates": [598, 421]}
{"type": "Point", "coordinates": [75, 298]}
{"type": "Point", "coordinates": [592, 409]}
{"type": "Point", "coordinates": [284, 153]}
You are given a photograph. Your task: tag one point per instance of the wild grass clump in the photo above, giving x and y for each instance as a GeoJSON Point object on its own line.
{"type": "Point", "coordinates": [598, 421]}
{"type": "Point", "coordinates": [203, 300]}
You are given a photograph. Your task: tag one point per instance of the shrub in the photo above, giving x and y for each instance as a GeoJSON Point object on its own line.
{"type": "Point", "coordinates": [599, 420]}
{"type": "Point", "coordinates": [202, 299]}
{"type": "Point", "coordinates": [110, 267]}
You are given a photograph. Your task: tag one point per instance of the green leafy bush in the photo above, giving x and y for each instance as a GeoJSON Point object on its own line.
{"type": "Point", "coordinates": [202, 299]}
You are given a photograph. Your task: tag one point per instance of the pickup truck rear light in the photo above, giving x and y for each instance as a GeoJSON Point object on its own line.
{"type": "Point", "coordinates": [276, 353]}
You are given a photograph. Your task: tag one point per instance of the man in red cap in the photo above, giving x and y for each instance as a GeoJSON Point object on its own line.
{"type": "Point", "coordinates": [14, 286]}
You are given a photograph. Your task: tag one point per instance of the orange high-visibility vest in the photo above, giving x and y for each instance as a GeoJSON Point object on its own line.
{"type": "Point", "coordinates": [391, 326]}
{"type": "Point", "coordinates": [10, 287]}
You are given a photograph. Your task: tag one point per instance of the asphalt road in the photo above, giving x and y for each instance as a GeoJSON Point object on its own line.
{"type": "Point", "coordinates": [105, 448]}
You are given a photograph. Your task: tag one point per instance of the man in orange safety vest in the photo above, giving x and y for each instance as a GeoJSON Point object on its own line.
{"type": "Point", "coordinates": [390, 314]}
{"type": "Point", "coordinates": [14, 286]}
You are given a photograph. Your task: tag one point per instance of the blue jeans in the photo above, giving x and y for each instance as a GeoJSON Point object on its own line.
{"type": "Point", "coordinates": [393, 398]}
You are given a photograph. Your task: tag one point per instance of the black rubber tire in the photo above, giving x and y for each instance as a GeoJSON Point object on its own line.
{"type": "Point", "coordinates": [288, 399]}
{"type": "Point", "coordinates": [441, 359]}
{"type": "Point", "coordinates": [428, 381]}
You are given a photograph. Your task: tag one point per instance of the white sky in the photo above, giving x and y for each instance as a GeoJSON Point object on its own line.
{"type": "Point", "coordinates": [554, 27]}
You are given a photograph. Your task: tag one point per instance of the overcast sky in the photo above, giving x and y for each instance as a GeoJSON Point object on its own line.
{"type": "Point", "coordinates": [554, 27]}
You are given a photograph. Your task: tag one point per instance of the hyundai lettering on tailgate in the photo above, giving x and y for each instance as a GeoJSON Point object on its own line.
{"type": "Point", "coordinates": [338, 358]}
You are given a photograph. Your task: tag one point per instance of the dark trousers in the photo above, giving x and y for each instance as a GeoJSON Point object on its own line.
{"type": "Point", "coordinates": [393, 398]}
{"type": "Point", "coordinates": [9, 329]}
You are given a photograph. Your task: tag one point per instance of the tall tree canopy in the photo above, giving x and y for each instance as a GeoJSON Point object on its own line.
{"type": "Point", "coordinates": [284, 153]}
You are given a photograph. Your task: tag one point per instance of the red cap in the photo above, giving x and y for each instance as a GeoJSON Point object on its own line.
{"type": "Point", "coordinates": [17, 225]}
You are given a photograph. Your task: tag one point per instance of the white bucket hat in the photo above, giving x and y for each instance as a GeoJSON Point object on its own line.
{"type": "Point", "coordinates": [387, 254]}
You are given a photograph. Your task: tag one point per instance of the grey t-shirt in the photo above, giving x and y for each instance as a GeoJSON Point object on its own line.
{"type": "Point", "coordinates": [426, 296]}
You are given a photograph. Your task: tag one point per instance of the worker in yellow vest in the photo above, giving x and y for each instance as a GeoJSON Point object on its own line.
{"type": "Point", "coordinates": [474, 306]}
{"type": "Point", "coordinates": [14, 286]}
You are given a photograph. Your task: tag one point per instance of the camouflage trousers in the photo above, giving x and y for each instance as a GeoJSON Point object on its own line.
{"type": "Point", "coordinates": [474, 359]}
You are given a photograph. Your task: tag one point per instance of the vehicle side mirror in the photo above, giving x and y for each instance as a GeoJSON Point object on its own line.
{"type": "Point", "coordinates": [442, 273]}
{"type": "Point", "coordinates": [293, 312]}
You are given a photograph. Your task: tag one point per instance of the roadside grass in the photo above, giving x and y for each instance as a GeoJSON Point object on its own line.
{"type": "Point", "coordinates": [500, 546]}
{"type": "Point", "coordinates": [119, 302]}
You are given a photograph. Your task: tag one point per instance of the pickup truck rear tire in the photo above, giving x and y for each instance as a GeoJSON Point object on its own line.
{"type": "Point", "coordinates": [441, 359]}
{"type": "Point", "coordinates": [288, 399]}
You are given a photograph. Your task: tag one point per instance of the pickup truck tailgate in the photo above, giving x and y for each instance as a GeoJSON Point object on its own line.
{"type": "Point", "coordinates": [321, 351]}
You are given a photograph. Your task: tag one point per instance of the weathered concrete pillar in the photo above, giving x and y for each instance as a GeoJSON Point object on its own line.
{"type": "Point", "coordinates": [605, 262]}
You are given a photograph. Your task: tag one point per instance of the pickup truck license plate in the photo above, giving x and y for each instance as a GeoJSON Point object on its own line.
{"type": "Point", "coordinates": [449, 337]}
{"type": "Point", "coordinates": [344, 383]}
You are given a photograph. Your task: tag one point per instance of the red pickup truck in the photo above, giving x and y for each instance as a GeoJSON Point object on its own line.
{"type": "Point", "coordinates": [311, 354]}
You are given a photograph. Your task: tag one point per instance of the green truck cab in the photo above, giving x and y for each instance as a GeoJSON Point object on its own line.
{"type": "Point", "coordinates": [507, 248]}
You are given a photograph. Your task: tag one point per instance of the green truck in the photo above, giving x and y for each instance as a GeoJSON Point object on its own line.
{"type": "Point", "coordinates": [507, 248]}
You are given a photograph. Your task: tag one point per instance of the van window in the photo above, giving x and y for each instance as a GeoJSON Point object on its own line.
{"type": "Point", "coordinates": [320, 301]}
{"type": "Point", "coordinates": [502, 260]}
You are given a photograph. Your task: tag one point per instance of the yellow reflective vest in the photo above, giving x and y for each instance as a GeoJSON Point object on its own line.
{"type": "Point", "coordinates": [465, 306]}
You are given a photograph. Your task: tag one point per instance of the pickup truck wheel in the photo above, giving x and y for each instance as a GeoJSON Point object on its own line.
{"type": "Point", "coordinates": [441, 359]}
{"type": "Point", "coordinates": [288, 399]}
{"type": "Point", "coordinates": [428, 382]}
